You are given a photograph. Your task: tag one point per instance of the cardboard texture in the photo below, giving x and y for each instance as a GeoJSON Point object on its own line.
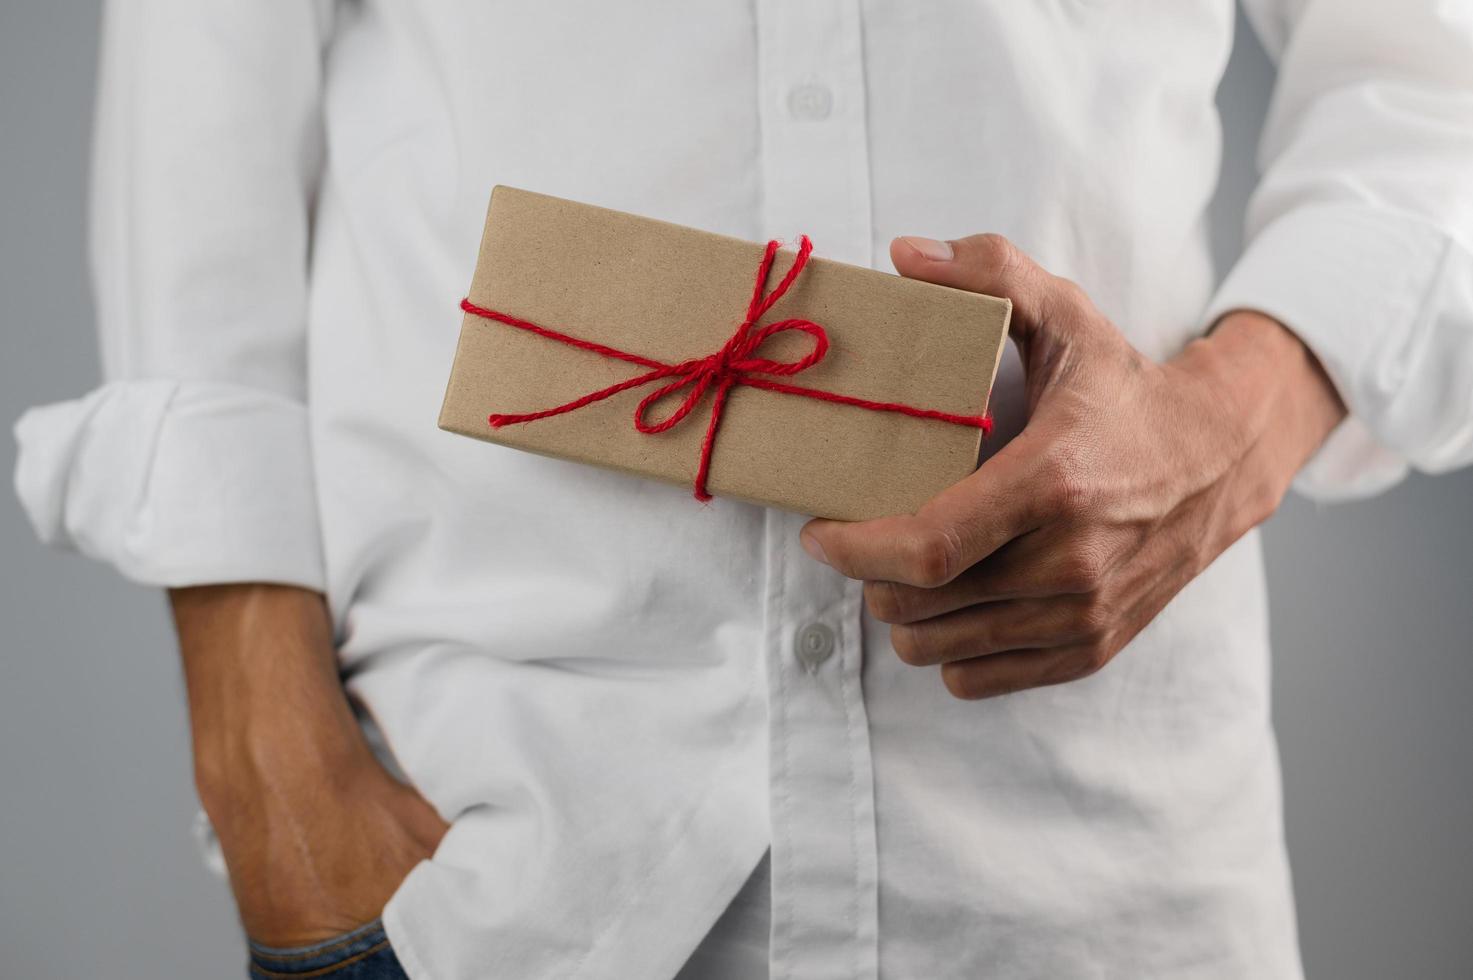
{"type": "Point", "coordinates": [673, 293]}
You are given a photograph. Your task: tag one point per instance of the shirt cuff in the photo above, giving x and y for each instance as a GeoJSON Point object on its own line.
{"type": "Point", "coordinates": [1354, 285]}
{"type": "Point", "coordinates": [176, 483]}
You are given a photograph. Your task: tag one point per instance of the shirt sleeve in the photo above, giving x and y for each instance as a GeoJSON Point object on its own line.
{"type": "Point", "coordinates": [192, 463]}
{"type": "Point", "coordinates": [1359, 233]}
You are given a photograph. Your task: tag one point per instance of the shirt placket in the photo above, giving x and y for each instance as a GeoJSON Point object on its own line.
{"type": "Point", "coordinates": [815, 180]}
{"type": "Point", "coordinates": [821, 778]}
{"type": "Point", "coordinates": [814, 138]}
{"type": "Point", "coordinates": [821, 789]}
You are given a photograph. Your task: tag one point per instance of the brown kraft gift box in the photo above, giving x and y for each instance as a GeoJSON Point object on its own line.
{"type": "Point", "coordinates": [673, 294]}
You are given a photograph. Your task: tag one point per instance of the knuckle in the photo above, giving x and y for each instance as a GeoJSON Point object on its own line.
{"type": "Point", "coordinates": [1095, 618]}
{"type": "Point", "coordinates": [1081, 570]}
{"type": "Point", "coordinates": [996, 251]}
{"type": "Point", "coordinates": [886, 602]}
{"type": "Point", "coordinates": [911, 645]}
{"type": "Point", "coordinates": [935, 556]}
{"type": "Point", "coordinates": [1067, 492]}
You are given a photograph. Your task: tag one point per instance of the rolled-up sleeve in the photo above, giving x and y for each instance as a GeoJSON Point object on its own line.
{"type": "Point", "coordinates": [1360, 233]}
{"type": "Point", "coordinates": [192, 463]}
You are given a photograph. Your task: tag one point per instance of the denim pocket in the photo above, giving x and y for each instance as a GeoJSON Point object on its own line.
{"type": "Point", "coordinates": [363, 954]}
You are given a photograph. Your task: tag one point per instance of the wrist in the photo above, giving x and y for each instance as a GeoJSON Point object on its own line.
{"type": "Point", "coordinates": [1278, 403]}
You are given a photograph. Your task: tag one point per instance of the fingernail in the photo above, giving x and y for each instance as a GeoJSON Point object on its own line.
{"type": "Point", "coordinates": [931, 248]}
{"type": "Point", "coordinates": [814, 549]}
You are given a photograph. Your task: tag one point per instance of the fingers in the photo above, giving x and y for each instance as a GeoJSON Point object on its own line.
{"type": "Point", "coordinates": [996, 627]}
{"type": "Point", "coordinates": [958, 528]}
{"type": "Point", "coordinates": [1042, 563]}
{"type": "Point", "coordinates": [1068, 637]}
{"type": "Point", "coordinates": [1020, 670]}
{"type": "Point", "coordinates": [910, 549]}
{"type": "Point", "coordinates": [988, 264]}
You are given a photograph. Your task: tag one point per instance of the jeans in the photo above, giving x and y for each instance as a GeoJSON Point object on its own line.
{"type": "Point", "coordinates": [363, 954]}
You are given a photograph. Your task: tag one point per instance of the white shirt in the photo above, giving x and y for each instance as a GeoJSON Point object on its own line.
{"type": "Point", "coordinates": [594, 677]}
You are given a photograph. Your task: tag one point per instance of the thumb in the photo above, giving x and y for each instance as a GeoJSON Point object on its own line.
{"type": "Point", "coordinates": [986, 264]}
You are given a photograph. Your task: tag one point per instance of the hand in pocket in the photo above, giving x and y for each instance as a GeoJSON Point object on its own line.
{"type": "Point", "coordinates": [316, 833]}
{"type": "Point", "coordinates": [310, 859]}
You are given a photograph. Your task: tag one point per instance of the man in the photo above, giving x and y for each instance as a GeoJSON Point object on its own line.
{"type": "Point", "coordinates": [1021, 733]}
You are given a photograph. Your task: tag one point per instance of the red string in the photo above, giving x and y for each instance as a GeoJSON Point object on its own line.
{"type": "Point", "coordinates": [735, 363]}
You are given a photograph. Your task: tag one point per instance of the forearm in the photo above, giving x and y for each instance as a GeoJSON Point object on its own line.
{"type": "Point", "coordinates": [265, 700]}
{"type": "Point", "coordinates": [283, 770]}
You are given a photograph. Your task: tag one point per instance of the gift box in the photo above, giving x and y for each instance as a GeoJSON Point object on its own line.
{"type": "Point", "coordinates": [764, 374]}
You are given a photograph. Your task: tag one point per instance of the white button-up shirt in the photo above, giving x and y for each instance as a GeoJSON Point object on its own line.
{"type": "Point", "coordinates": [621, 698]}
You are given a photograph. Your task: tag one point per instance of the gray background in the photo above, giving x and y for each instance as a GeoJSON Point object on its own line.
{"type": "Point", "coordinates": [1372, 619]}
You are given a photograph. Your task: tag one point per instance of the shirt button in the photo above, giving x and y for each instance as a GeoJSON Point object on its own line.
{"type": "Point", "coordinates": [811, 101]}
{"type": "Point", "coordinates": [813, 643]}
